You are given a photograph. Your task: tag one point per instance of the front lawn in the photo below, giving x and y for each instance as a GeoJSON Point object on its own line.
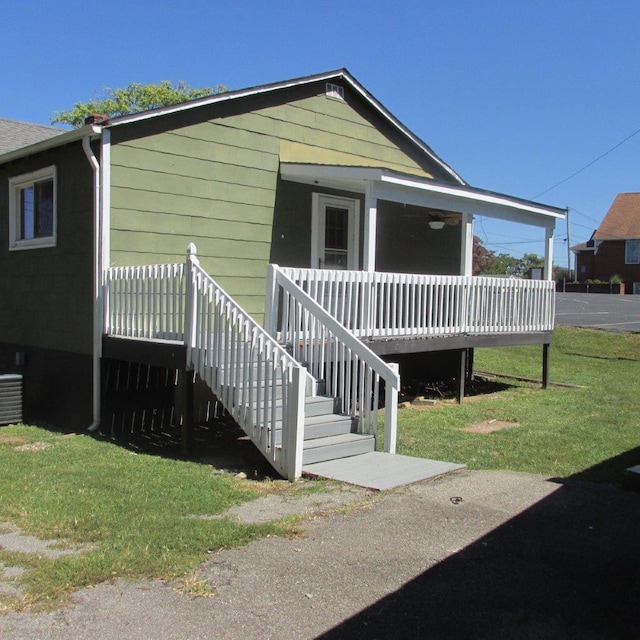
{"type": "Point", "coordinates": [135, 516]}
{"type": "Point", "coordinates": [590, 432]}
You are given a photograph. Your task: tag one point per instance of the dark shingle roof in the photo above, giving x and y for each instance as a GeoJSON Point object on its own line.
{"type": "Point", "coordinates": [15, 134]}
{"type": "Point", "coordinates": [622, 220]}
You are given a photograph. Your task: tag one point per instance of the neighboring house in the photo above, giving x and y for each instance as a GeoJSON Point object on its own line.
{"type": "Point", "coordinates": [15, 134]}
{"type": "Point", "coordinates": [372, 232]}
{"type": "Point", "coordinates": [614, 248]}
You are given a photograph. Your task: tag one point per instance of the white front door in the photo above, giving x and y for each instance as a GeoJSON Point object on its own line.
{"type": "Point", "coordinates": [335, 224]}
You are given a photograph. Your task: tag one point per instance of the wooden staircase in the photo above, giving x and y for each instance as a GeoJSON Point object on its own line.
{"type": "Point", "coordinates": [328, 434]}
{"type": "Point", "coordinates": [271, 382]}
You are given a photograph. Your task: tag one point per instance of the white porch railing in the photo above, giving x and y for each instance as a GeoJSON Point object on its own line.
{"type": "Point", "coordinates": [256, 380]}
{"type": "Point", "coordinates": [145, 302]}
{"type": "Point", "coordinates": [390, 305]}
{"type": "Point", "coordinates": [351, 372]}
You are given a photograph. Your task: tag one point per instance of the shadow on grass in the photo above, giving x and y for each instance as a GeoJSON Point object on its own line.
{"type": "Point", "coordinates": [220, 443]}
{"type": "Point", "coordinates": [609, 470]}
{"type": "Point", "coordinates": [565, 568]}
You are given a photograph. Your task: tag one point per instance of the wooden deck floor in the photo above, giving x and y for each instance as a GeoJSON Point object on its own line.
{"type": "Point", "coordinates": [380, 471]}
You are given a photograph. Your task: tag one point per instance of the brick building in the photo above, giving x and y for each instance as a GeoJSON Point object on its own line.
{"type": "Point", "coordinates": [614, 247]}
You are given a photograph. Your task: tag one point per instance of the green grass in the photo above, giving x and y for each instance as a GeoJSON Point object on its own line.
{"type": "Point", "coordinates": [591, 432]}
{"type": "Point", "coordinates": [135, 512]}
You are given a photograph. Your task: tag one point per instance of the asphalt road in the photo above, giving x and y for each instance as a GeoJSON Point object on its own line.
{"type": "Point", "coordinates": [602, 311]}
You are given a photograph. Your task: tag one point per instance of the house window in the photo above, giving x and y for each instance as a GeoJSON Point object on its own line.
{"type": "Point", "coordinates": [632, 252]}
{"type": "Point", "coordinates": [32, 209]}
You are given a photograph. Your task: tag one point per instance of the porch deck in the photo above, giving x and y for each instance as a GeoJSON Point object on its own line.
{"type": "Point", "coordinates": [324, 335]}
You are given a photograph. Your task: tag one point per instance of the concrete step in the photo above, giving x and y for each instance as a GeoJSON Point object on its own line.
{"type": "Point", "coordinates": [334, 447]}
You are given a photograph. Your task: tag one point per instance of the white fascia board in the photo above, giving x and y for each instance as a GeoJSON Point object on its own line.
{"type": "Point", "coordinates": [227, 96]}
{"type": "Point", "coordinates": [477, 196]}
{"type": "Point", "coordinates": [50, 143]}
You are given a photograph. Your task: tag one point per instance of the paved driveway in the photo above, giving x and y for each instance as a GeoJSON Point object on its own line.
{"type": "Point", "coordinates": [602, 311]}
{"type": "Point", "coordinates": [474, 554]}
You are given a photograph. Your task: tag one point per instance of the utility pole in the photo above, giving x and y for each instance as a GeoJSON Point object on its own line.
{"type": "Point", "coordinates": [568, 244]}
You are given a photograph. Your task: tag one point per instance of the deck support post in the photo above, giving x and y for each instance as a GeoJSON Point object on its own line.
{"type": "Point", "coordinates": [462, 375]}
{"type": "Point", "coordinates": [545, 365]}
{"type": "Point", "coordinates": [185, 382]}
{"type": "Point", "coordinates": [470, 355]}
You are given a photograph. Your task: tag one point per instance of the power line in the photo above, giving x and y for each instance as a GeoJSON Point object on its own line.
{"type": "Point", "coordinates": [573, 175]}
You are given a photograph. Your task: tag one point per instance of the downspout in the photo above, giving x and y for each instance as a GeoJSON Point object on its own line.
{"type": "Point", "coordinates": [97, 278]}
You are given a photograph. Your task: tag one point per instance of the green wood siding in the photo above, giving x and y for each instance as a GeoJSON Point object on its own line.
{"type": "Point", "coordinates": [406, 244]}
{"type": "Point", "coordinates": [210, 176]}
{"type": "Point", "coordinates": [46, 294]}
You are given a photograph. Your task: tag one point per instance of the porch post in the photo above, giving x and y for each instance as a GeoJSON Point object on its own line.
{"type": "Point", "coordinates": [548, 254]}
{"type": "Point", "coordinates": [370, 223]}
{"type": "Point", "coordinates": [466, 255]}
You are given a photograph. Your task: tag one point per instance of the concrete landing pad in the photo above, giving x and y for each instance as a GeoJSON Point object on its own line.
{"type": "Point", "coordinates": [380, 471]}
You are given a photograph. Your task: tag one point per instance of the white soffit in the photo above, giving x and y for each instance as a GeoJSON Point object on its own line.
{"type": "Point", "coordinates": [425, 193]}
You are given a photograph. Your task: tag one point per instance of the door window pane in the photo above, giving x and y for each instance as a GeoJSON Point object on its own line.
{"type": "Point", "coordinates": [336, 237]}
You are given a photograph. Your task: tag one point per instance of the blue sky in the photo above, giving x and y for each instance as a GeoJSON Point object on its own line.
{"type": "Point", "coordinates": [515, 96]}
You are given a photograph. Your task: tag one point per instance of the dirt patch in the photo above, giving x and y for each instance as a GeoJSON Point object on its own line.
{"type": "Point", "coordinates": [489, 426]}
{"type": "Point", "coordinates": [11, 440]}
{"type": "Point", "coordinates": [275, 506]}
{"type": "Point", "coordinates": [33, 446]}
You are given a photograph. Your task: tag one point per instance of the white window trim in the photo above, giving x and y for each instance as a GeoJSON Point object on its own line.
{"type": "Point", "coordinates": [15, 185]}
{"type": "Point", "coordinates": [319, 202]}
{"type": "Point", "coordinates": [626, 252]}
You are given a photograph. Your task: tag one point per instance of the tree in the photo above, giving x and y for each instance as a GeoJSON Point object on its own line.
{"type": "Point", "coordinates": [482, 257]}
{"type": "Point", "coordinates": [134, 98]}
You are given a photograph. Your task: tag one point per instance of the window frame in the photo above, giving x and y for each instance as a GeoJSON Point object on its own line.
{"type": "Point", "coordinates": [16, 185]}
{"type": "Point", "coordinates": [627, 252]}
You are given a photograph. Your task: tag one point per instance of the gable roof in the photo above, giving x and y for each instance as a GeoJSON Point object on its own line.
{"type": "Point", "coordinates": [15, 134]}
{"type": "Point", "coordinates": [622, 221]}
{"type": "Point", "coordinates": [339, 75]}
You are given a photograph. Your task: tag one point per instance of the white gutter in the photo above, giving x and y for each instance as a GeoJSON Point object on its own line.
{"type": "Point", "coordinates": [65, 137]}
{"type": "Point", "coordinates": [97, 280]}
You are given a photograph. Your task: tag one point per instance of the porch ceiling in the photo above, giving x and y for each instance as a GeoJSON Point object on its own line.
{"type": "Point", "coordinates": [395, 187]}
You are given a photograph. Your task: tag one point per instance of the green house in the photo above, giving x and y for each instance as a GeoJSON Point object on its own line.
{"type": "Point", "coordinates": [313, 209]}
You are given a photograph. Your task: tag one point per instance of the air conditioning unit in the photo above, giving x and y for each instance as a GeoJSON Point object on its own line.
{"type": "Point", "coordinates": [10, 398]}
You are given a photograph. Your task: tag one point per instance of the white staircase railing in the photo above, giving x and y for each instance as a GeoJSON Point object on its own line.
{"type": "Point", "coordinates": [388, 305]}
{"type": "Point", "coordinates": [351, 372]}
{"type": "Point", "coordinates": [256, 380]}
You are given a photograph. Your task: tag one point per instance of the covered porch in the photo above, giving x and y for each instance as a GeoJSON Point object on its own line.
{"type": "Point", "coordinates": [359, 241]}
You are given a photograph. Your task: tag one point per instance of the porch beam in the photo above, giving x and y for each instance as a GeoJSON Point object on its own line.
{"type": "Point", "coordinates": [461, 203]}
{"type": "Point", "coordinates": [370, 228]}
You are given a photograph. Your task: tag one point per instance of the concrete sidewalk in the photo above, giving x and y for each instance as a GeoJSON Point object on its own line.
{"type": "Point", "coordinates": [469, 555]}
